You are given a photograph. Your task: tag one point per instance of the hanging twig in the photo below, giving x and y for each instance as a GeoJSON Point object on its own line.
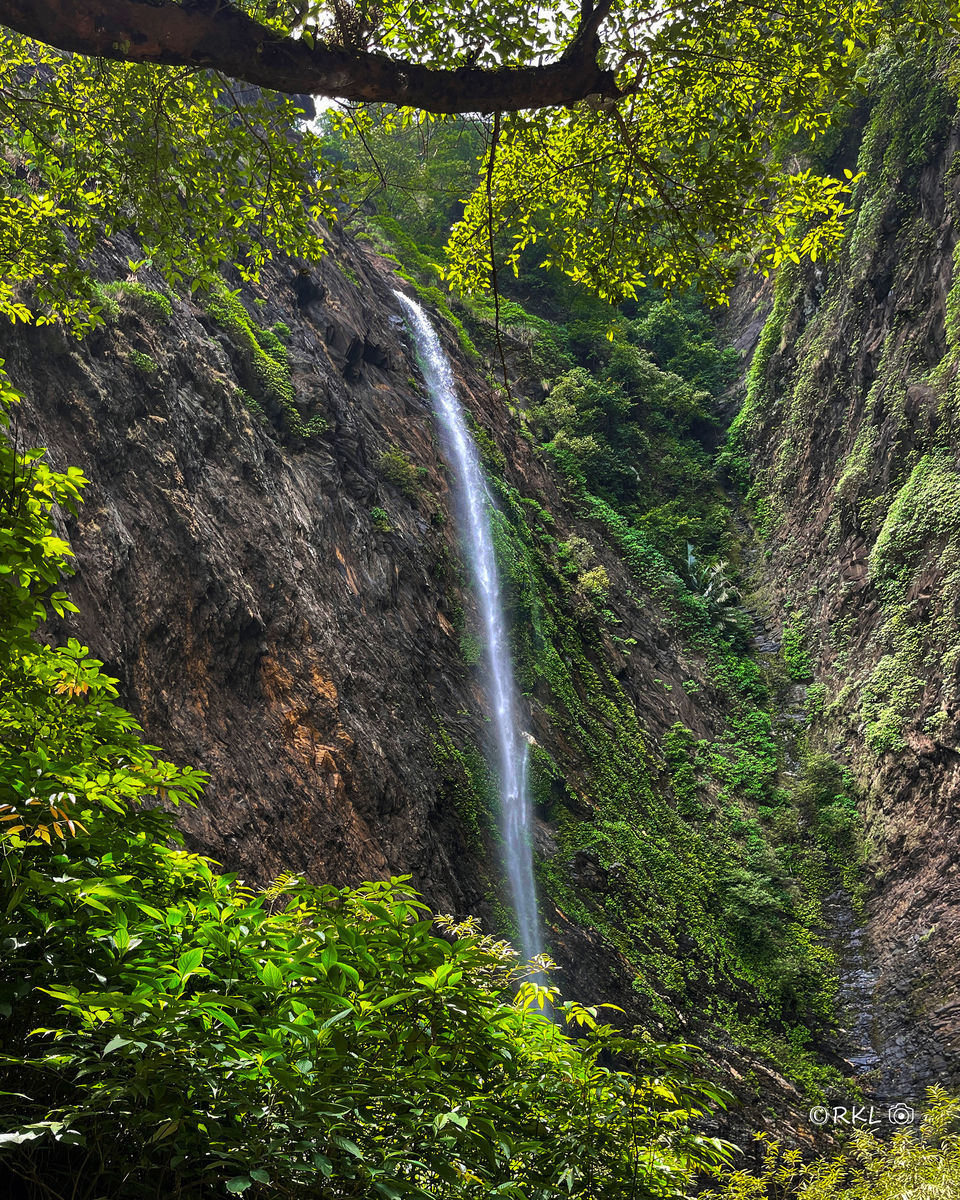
{"type": "Point", "coordinates": [494, 142]}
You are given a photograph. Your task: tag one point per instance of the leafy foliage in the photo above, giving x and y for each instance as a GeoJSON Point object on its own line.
{"type": "Point", "coordinates": [684, 175]}
{"type": "Point", "coordinates": [621, 425]}
{"type": "Point", "coordinates": [674, 182]}
{"type": "Point", "coordinates": [672, 173]}
{"type": "Point", "coordinates": [265, 359]}
{"type": "Point", "coordinates": [398, 468]}
{"type": "Point", "coordinates": [417, 174]}
{"type": "Point", "coordinates": [796, 653]}
{"type": "Point", "coordinates": [717, 591]}
{"type": "Point", "coordinates": [204, 174]}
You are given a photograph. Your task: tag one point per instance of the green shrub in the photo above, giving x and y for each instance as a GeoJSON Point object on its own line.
{"type": "Point", "coordinates": [826, 794]}
{"type": "Point", "coordinates": [143, 362]}
{"type": "Point", "coordinates": [471, 649]}
{"type": "Point", "coordinates": [682, 339]}
{"type": "Point", "coordinates": [720, 596]}
{"type": "Point", "coordinates": [381, 519]}
{"type": "Point", "coordinates": [105, 301]}
{"type": "Point", "coordinates": [914, 1164]}
{"type": "Point", "coordinates": [793, 647]}
{"type": "Point", "coordinates": [576, 553]}
{"type": "Point", "coordinates": [889, 696]}
{"type": "Point", "coordinates": [265, 352]}
{"type": "Point", "coordinates": [679, 746]}
{"type": "Point", "coordinates": [266, 355]}
{"type": "Point", "coordinates": [816, 698]}
{"type": "Point", "coordinates": [146, 300]}
{"type": "Point", "coordinates": [595, 584]}
{"type": "Point", "coordinates": [397, 468]}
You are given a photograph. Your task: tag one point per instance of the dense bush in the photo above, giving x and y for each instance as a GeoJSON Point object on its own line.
{"type": "Point", "coordinates": [398, 468]}
{"type": "Point", "coordinates": [682, 340]}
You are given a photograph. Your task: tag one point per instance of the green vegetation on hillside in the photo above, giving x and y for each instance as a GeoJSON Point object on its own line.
{"type": "Point", "coordinates": [167, 1030]}
{"type": "Point", "coordinates": [711, 884]}
{"type": "Point", "coordinates": [896, 481]}
{"type": "Point", "coordinates": [264, 357]}
{"type": "Point", "coordinates": [712, 871]}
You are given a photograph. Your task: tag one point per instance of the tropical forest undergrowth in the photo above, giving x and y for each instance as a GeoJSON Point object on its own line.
{"type": "Point", "coordinates": [166, 1030]}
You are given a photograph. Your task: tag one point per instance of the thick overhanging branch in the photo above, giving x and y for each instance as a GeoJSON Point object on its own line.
{"type": "Point", "coordinates": [214, 34]}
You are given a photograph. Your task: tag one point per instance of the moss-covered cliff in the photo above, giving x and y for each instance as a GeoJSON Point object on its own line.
{"type": "Point", "coordinates": [847, 442]}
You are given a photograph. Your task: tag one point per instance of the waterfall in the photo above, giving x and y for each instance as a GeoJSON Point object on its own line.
{"type": "Point", "coordinates": [473, 515]}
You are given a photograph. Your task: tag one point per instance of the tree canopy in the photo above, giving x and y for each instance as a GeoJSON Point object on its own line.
{"type": "Point", "coordinates": [626, 140]}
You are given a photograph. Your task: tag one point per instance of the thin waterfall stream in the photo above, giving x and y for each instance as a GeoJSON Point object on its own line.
{"type": "Point", "coordinates": [473, 503]}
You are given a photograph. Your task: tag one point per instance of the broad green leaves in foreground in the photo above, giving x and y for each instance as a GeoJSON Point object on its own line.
{"type": "Point", "coordinates": [166, 1030]}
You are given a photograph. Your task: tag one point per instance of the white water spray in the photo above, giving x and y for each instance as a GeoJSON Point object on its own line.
{"type": "Point", "coordinates": [474, 504]}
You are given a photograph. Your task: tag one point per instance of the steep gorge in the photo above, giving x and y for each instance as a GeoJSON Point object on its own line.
{"type": "Point", "coordinates": [289, 613]}
{"type": "Point", "coordinates": [274, 577]}
{"type": "Point", "coordinates": [267, 561]}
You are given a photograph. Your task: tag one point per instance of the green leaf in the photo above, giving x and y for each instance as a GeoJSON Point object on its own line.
{"type": "Point", "coordinates": [271, 975]}
{"type": "Point", "coordinates": [348, 1145]}
{"type": "Point", "coordinates": [388, 1190]}
{"type": "Point", "coordinates": [189, 961]}
{"type": "Point", "coordinates": [337, 1017]}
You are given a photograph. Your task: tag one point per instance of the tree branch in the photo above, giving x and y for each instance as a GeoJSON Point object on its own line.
{"type": "Point", "coordinates": [223, 38]}
{"type": "Point", "coordinates": [587, 38]}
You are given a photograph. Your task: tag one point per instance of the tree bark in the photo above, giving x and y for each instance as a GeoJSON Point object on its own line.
{"type": "Point", "coordinates": [218, 36]}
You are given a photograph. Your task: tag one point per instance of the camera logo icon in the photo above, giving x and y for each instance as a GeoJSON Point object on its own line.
{"type": "Point", "coordinates": [900, 1114]}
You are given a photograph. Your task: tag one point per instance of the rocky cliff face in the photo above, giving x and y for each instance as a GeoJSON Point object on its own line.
{"type": "Point", "coordinates": [849, 437]}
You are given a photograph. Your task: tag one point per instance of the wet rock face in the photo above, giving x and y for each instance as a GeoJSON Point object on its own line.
{"type": "Point", "coordinates": [857, 388]}
{"type": "Point", "coordinates": [285, 613]}
{"type": "Point", "coordinates": [262, 625]}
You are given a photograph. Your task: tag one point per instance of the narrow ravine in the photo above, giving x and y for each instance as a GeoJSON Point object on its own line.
{"type": "Point", "coordinates": [844, 929]}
